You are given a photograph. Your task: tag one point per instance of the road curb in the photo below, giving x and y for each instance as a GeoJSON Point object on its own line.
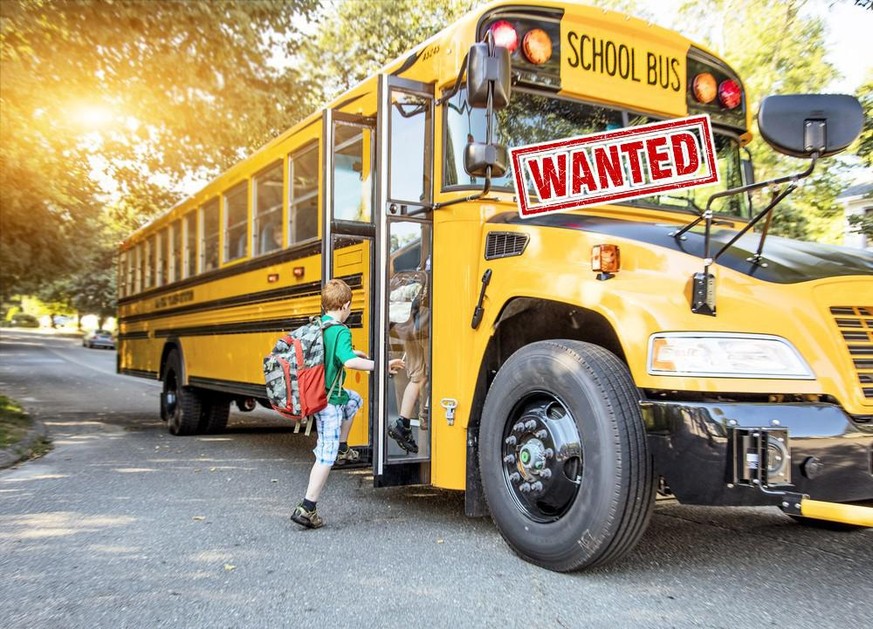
{"type": "Point", "coordinates": [23, 449]}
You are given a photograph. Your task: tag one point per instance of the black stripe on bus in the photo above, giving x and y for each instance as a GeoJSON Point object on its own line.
{"type": "Point", "coordinates": [243, 389]}
{"type": "Point", "coordinates": [355, 320]}
{"type": "Point", "coordinates": [133, 336]}
{"type": "Point", "coordinates": [139, 373]}
{"type": "Point", "coordinates": [262, 297]}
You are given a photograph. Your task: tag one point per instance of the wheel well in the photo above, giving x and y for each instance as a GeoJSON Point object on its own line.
{"type": "Point", "coordinates": [165, 353]}
{"type": "Point", "coordinates": [521, 322]}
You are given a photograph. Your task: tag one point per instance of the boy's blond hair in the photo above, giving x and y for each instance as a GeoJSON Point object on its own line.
{"type": "Point", "coordinates": [335, 294]}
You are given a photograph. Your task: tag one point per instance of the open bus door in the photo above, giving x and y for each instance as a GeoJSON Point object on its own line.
{"type": "Point", "coordinates": [401, 455]}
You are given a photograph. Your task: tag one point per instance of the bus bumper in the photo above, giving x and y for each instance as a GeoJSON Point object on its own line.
{"type": "Point", "coordinates": [712, 453]}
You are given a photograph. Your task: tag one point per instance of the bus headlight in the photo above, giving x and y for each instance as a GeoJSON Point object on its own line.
{"type": "Point", "coordinates": [725, 355]}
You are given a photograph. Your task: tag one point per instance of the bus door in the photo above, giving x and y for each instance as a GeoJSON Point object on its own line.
{"type": "Point", "coordinates": [349, 237]}
{"type": "Point", "coordinates": [402, 430]}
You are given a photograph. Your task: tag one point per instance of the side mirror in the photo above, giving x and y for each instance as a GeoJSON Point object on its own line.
{"type": "Point", "coordinates": [803, 124]}
{"type": "Point", "coordinates": [484, 69]}
{"type": "Point", "coordinates": [479, 157]}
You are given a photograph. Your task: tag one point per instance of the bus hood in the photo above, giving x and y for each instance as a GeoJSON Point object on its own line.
{"type": "Point", "coordinates": [787, 261]}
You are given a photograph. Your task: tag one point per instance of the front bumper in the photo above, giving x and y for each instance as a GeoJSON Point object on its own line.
{"type": "Point", "coordinates": [831, 456]}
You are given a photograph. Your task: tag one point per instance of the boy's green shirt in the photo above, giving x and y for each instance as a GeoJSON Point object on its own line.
{"type": "Point", "coordinates": [337, 350]}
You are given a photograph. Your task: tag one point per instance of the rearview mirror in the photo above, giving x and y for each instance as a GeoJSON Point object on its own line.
{"type": "Point", "coordinates": [478, 157]}
{"type": "Point", "coordinates": [802, 124]}
{"type": "Point", "coordinates": [484, 69]}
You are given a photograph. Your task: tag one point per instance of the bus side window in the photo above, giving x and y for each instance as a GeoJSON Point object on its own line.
{"type": "Point", "coordinates": [190, 253]}
{"type": "Point", "coordinates": [303, 194]}
{"type": "Point", "coordinates": [235, 221]}
{"type": "Point", "coordinates": [268, 209]}
{"type": "Point", "coordinates": [209, 229]}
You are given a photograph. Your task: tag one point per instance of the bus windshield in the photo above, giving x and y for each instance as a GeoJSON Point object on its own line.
{"type": "Point", "coordinates": [534, 118]}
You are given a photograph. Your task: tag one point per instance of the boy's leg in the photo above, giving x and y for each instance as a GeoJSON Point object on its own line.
{"type": "Point", "coordinates": [350, 410]}
{"type": "Point", "coordinates": [328, 424]}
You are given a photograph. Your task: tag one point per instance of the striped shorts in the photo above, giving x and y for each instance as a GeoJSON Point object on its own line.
{"type": "Point", "coordinates": [329, 422]}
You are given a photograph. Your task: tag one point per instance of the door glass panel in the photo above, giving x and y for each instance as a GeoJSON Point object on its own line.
{"type": "Point", "coordinates": [408, 395]}
{"type": "Point", "coordinates": [352, 173]}
{"type": "Point", "coordinates": [410, 148]}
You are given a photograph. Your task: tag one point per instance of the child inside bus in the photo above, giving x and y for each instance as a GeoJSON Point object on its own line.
{"type": "Point", "coordinates": [334, 422]}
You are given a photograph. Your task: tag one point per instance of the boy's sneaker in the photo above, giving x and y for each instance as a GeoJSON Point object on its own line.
{"type": "Point", "coordinates": [307, 518]}
{"type": "Point", "coordinates": [349, 456]}
{"type": "Point", "coordinates": [403, 436]}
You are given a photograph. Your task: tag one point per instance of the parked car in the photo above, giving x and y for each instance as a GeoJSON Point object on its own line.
{"type": "Point", "coordinates": [99, 338]}
{"type": "Point", "coordinates": [23, 320]}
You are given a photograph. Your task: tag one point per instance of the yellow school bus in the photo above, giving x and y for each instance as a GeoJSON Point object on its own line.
{"type": "Point", "coordinates": [561, 369]}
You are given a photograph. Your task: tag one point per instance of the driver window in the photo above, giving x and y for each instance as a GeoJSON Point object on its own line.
{"type": "Point", "coordinates": [408, 397]}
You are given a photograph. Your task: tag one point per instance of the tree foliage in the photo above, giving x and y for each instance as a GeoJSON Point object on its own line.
{"type": "Point", "coordinates": [132, 90]}
{"type": "Point", "coordinates": [357, 37]}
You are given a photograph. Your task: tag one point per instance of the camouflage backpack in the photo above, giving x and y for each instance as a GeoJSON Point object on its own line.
{"type": "Point", "coordinates": [294, 371]}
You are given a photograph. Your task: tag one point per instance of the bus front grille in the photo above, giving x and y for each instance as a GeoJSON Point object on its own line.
{"type": "Point", "coordinates": [855, 324]}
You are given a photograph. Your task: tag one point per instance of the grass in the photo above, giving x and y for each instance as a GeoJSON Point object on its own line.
{"type": "Point", "coordinates": [14, 424]}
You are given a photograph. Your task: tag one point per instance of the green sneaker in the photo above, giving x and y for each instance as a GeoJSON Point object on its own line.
{"type": "Point", "coordinates": [307, 518]}
{"type": "Point", "coordinates": [349, 456]}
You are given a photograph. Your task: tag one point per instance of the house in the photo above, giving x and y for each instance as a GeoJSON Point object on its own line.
{"type": "Point", "coordinates": [857, 200]}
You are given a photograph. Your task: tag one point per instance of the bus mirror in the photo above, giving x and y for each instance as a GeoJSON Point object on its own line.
{"type": "Point", "coordinates": [486, 69]}
{"type": "Point", "coordinates": [479, 157]}
{"type": "Point", "coordinates": [802, 124]}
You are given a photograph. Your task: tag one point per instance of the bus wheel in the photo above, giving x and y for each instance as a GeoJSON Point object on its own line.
{"type": "Point", "coordinates": [181, 405]}
{"type": "Point", "coordinates": [563, 457]}
{"type": "Point", "coordinates": [215, 413]}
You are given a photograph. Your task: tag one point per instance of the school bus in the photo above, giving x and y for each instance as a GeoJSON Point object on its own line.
{"type": "Point", "coordinates": [575, 364]}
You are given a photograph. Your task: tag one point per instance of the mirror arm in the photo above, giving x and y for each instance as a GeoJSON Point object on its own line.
{"type": "Point", "coordinates": [457, 86]}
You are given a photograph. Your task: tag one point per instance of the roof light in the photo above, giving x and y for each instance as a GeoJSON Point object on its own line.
{"type": "Point", "coordinates": [537, 46]}
{"type": "Point", "coordinates": [704, 88]}
{"type": "Point", "coordinates": [505, 35]}
{"type": "Point", "coordinates": [729, 93]}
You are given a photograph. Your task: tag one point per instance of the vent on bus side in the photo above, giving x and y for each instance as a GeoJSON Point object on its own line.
{"type": "Point", "coordinates": [505, 244]}
{"type": "Point", "coordinates": [856, 327]}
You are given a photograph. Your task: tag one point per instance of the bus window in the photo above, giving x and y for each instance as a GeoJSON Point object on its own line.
{"type": "Point", "coordinates": [137, 268]}
{"type": "Point", "coordinates": [209, 229]}
{"type": "Point", "coordinates": [148, 273]}
{"type": "Point", "coordinates": [162, 256]}
{"type": "Point", "coordinates": [410, 148]}
{"type": "Point", "coordinates": [268, 209]}
{"type": "Point", "coordinates": [190, 251]}
{"type": "Point", "coordinates": [352, 180]}
{"type": "Point", "coordinates": [303, 194]}
{"type": "Point", "coordinates": [235, 214]}
{"type": "Point", "coordinates": [175, 270]}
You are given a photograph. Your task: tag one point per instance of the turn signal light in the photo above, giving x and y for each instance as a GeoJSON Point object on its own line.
{"type": "Point", "coordinates": [605, 258]}
{"type": "Point", "coordinates": [537, 46]}
{"type": "Point", "coordinates": [704, 88]}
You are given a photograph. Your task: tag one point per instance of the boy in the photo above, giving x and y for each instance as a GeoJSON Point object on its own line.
{"type": "Point", "coordinates": [334, 422]}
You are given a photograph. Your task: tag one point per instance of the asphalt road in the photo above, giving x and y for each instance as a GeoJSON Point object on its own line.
{"type": "Point", "coordinates": [123, 525]}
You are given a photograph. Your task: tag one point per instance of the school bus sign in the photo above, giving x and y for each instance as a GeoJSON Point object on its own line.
{"type": "Point", "coordinates": [615, 165]}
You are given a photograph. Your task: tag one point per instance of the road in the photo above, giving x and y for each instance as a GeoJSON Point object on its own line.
{"type": "Point", "coordinates": [123, 525]}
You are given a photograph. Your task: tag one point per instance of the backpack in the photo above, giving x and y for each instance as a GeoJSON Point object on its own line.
{"type": "Point", "coordinates": [294, 371]}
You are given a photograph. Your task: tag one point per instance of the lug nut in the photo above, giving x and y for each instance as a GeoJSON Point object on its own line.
{"type": "Point", "coordinates": [510, 440]}
{"type": "Point", "coordinates": [514, 477]}
{"type": "Point", "coordinates": [542, 434]}
{"type": "Point", "coordinates": [518, 427]}
{"type": "Point", "coordinates": [530, 424]}
{"type": "Point", "coordinates": [537, 486]}
{"type": "Point", "coordinates": [546, 473]}
{"type": "Point", "coordinates": [524, 488]}
{"type": "Point", "coordinates": [549, 453]}
{"type": "Point", "coordinates": [509, 458]}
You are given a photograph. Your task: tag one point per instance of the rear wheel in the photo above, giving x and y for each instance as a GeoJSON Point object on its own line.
{"type": "Point", "coordinates": [563, 456]}
{"type": "Point", "coordinates": [216, 411]}
{"type": "Point", "coordinates": [182, 406]}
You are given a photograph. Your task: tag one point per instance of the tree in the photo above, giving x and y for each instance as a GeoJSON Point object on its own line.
{"type": "Point", "coordinates": [357, 37]}
{"type": "Point", "coordinates": [133, 90]}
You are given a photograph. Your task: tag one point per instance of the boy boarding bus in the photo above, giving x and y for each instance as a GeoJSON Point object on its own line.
{"type": "Point", "coordinates": [574, 363]}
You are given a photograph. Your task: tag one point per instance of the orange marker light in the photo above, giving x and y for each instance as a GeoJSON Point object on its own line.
{"type": "Point", "coordinates": [605, 258]}
{"type": "Point", "coordinates": [704, 88]}
{"type": "Point", "coordinates": [537, 46]}
{"type": "Point", "coordinates": [298, 271]}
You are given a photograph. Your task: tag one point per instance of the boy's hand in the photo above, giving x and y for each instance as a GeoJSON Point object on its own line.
{"type": "Point", "coordinates": [360, 354]}
{"type": "Point", "coordinates": [395, 365]}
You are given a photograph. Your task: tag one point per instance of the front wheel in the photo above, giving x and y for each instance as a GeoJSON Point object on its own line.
{"type": "Point", "coordinates": [565, 467]}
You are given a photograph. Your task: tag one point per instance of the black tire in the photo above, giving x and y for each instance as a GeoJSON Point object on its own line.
{"type": "Point", "coordinates": [181, 405]}
{"type": "Point", "coordinates": [216, 410]}
{"type": "Point", "coordinates": [570, 408]}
